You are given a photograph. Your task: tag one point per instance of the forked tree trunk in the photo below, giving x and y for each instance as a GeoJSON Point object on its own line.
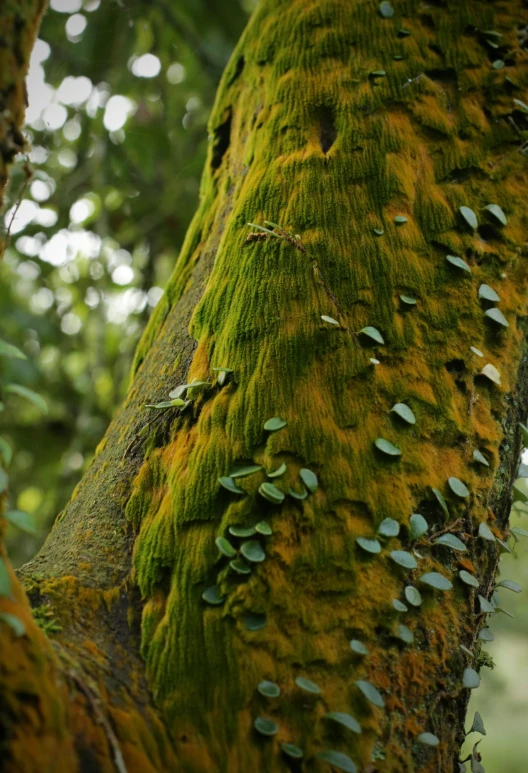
{"type": "Point", "coordinates": [362, 135]}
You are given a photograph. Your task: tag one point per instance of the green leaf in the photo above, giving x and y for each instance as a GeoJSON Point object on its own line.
{"type": "Point", "coordinates": [491, 372]}
{"type": "Point", "coordinates": [278, 472]}
{"type": "Point", "coordinates": [386, 447]}
{"type": "Point", "coordinates": [486, 635]}
{"type": "Point", "coordinates": [403, 32]}
{"type": "Point", "coordinates": [290, 750]}
{"type": "Point", "coordinates": [399, 606]}
{"type": "Point", "coordinates": [8, 350]}
{"type": "Point", "coordinates": [242, 531]}
{"type": "Point", "coordinates": [405, 634]}
{"type": "Point", "coordinates": [195, 384]}
{"type": "Point", "coordinates": [5, 579]}
{"type": "Point", "coordinates": [476, 351]}
{"type": "Point", "coordinates": [485, 532]}
{"type": "Point", "coordinates": [270, 492]}
{"type": "Point", "coordinates": [478, 725]}
{"type": "Point", "coordinates": [295, 495]}
{"type": "Point", "coordinates": [436, 580]}
{"type": "Point", "coordinates": [466, 650]}
{"type": "Point", "coordinates": [21, 520]}
{"type": "Point", "coordinates": [487, 293]}
{"type": "Point", "coordinates": [404, 412]}
{"type": "Point", "coordinates": [386, 9]}
{"type": "Point", "coordinates": [458, 263]}
{"type": "Point", "coordinates": [497, 316]}
{"type": "Point", "coordinates": [379, 231]}
{"type": "Point", "coordinates": [252, 551]}
{"type": "Point", "coordinates": [5, 452]}
{"type": "Point", "coordinates": [510, 585]}
{"type": "Point", "coordinates": [520, 532]}
{"type": "Point", "coordinates": [358, 647]}
{"type": "Point", "coordinates": [239, 566]}
{"type": "Point", "coordinates": [265, 726]}
{"type": "Point", "coordinates": [378, 73]}
{"type": "Point", "coordinates": [389, 528]}
{"type": "Point", "coordinates": [309, 479]}
{"type": "Point", "coordinates": [428, 739]}
{"type": "Point", "coordinates": [469, 216]}
{"type": "Point", "coordinates": [521, 105]}
{"type": "Point", "coordinates": [400, 219]}
{"type": "Point", "coordinates": [176, 403]}
{"type": "Point", "coordinates": [307, 685]}
{"type": "Point", "coordinates": [470, 679]}
{"type": "Point", "coordinates": [468, 578]}
{"type": "Point", "coordinates": [417, 526]}
{"type": "Point", "coordinates": [337, 760]}
{"type": "Point", "coordinates": [254, 621]}
{"type": "Point", "coordinates": [371, 693]}
{"type": "Point", "coordinates": [524, 433]}
{"type": "Point", "coordinates": [370, 545]}
{"type": "Point", "coordinates": [244, 471]}
{"type": "Point", "coordinates": [272, 425]}
{"type": "Point", "coordinates": [14, 622]}
{"type": "Point", "coordinates": [408, 300]}
{"type": "Point", "coordinates": [330, 320]}
{"type": "Point", "coordinates": [212, 595]}
{"type": "Point", "coordinates": [264, 528]}
{"type": "Point", "coordinates": [372, 333]}
{"type": "Point", "coordinates": [230, 485]}
{"type": "Point", "coordinates": [479, 457]}
{"type": "Point", "coordinates": [485, 606]}
{"type": "Point", "coordinates": [268, 689]}
{"type": "Point", "coordinates": [413, 595]}
{"type": "Point", "coordinates": [403, 558]}
{"type": "Point", "coordinates": [450, 541]}
{"type": "Point", "coordinates": [458, 488]}
{"type": "Point", "coordinates": [223, 370]}
{"type": "Point", "coordinates": [27, 394]}
{"type": "Point", "coordinates": [344, 719]}
{"type": "Point", "coordinates": [225, 547]}
{"type": "Point", "coordinates": [441, 501]}
{"type": "Point", "coordinates": [498, 64]}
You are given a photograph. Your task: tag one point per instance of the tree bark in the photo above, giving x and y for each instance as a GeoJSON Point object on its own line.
{"type": "Point", "coordinates": [362, 135]}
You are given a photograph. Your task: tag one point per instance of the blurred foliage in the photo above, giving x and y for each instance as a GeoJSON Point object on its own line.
{"type": "Point", "coordinates": [119, 96]}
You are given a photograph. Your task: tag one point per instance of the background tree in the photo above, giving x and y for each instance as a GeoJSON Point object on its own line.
{"type": "Point", "coordinates": [380, 172]}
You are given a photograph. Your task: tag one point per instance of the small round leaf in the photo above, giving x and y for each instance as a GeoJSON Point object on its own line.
{"type": "Point", "coordinates": [450, 541]}
{"type": "Point", "coordinates": [290, 750]}
{"type": "Point", "coordinates": [272, 425]}
{"type": "Point", "coordinates": [428, 739]}
{"type": "Point", "coordinates": [436, 580]}
{"type": "Point", "coordinates": [403, 558]}
{"type": "Point", "coordinates": [268, 689]}
{"type": "Point", "coordinates": [225, 547]}
{"type": "Point", "coordinates": [373, 333]}
{"type": "Point", "coordinates": [358, 647]}
{"type": "Point", "coordinates": [497, 316]}
{"type": "Point", "coordinates": [413, 596]}
{"type": "Point", "coordinates": [458, 263]}
{"type": "Point", "coordinates": [212, 595]}
{"type": "Point", "coordinates": [468, 578]}
{"type": "Point", "coordinates": [309, 479]}
{"type": "Point", "coordinates": [404, 412]}
{"type": "Point", "coordinates": [337, 760]}
{"type": "Point", "coordinates": [470, 679]}
{"type": "Point", "coordinates": [371, 693]}
{"type": "Point", "coordinates": [458, 488]}
{"type": "Point", "coordinates": [344, 719]}
{"type": "Point", "coordinates": [389, 528]}
{"type": "Point", "coordinates": [487, 293]}
{"type": "Point", "coordinates": [270, 492]}
{"type": "Point", "coordinates": [307, 685]}
{"type": "Point", "coordinates": [265, 726]}
{"type": "Point", "coordinates": [371, 545]}
{"type": "Point", "coordinates": [469, 216]}
{"type": "Point", "coordinates": [418, 526]}
{"type": "Point", "coordinates": [252, 551]}
{"type": "Point", "coordinates": [386, 447]}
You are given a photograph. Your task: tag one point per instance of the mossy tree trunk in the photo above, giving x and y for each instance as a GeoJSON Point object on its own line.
{"type": "Point", "coordinates": [362, 134]}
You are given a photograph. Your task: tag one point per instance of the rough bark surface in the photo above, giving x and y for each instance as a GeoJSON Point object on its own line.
{"type": "Point", "coordinates": [332, 121]}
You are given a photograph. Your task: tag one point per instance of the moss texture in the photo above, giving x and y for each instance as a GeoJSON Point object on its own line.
{"type": "Point", "coordinates": [307, 133]}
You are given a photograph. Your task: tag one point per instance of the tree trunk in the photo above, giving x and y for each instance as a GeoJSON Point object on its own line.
{"type": "Point", "coordinates": [364, 136]}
